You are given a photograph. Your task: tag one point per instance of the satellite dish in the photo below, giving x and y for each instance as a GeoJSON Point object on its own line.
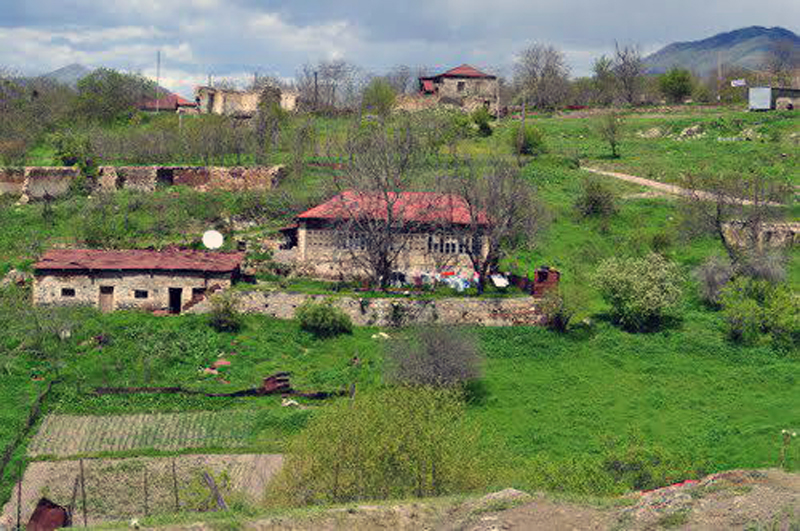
{"type": "Point", "coordinates": [213, 239]}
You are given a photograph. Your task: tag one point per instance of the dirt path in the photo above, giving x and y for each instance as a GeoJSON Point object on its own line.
{"type": "Point", "coordinates": [663, 187]}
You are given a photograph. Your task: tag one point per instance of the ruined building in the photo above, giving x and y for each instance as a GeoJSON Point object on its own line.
{"type": "Point", "coordinates": [170, 280]}
{"type": "Point", "coordinates": [464, 85]}
{"type": "Point", "coordinates": [238, 103]}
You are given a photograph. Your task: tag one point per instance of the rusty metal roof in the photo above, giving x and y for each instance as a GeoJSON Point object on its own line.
{"type": "Point", "coordinates": [462, 71]}
{"type": "Point", "coordinates": [167, 260]}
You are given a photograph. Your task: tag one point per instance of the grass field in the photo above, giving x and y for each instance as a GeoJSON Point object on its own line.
{"type": "Point", "coordinates": [552, 405]}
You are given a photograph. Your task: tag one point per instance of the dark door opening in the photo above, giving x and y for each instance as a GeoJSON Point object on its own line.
{"type": "Point", "coordinates": [165, 176]}
{"type": "Point", "coordinates": [175, 298]}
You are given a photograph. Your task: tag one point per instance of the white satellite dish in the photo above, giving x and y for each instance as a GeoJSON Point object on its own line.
{"type": "Point", "coordinates": [213, 239]}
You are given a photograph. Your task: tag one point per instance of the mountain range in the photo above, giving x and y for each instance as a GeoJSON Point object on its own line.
{"type": "Point", "coordinates": [746, 47]}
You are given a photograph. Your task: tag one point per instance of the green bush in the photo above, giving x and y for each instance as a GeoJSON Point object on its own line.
{"type": "Point", "coordinates": [225, 316]}
{"type": "Point", "coordinates": [596, 199]}
{"type": "Point", "coordinates": [642, 292]}
{"type": "Point", "coordinates": [676, 85]}
{"type": "Point", "coordinates": [529, 142]}
{"type": "Point", "coordinates": [481, 118]}
{"type": "Point", "coordinates": [322, 319]}
{"type": "Point", "coordinates": [379, 97]}
{"type": "Point", "coordinates": [754, 307]}
{"type": "Point", "coordinates": [392, 443]}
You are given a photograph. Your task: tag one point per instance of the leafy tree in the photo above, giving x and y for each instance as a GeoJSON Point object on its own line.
{"type": "Point", "coordinates": [379, 97]}
{"type": "Point", "coordinates": [641, 291]}
{"type": "Point", "coordinates": [676, 85]}
{"type": "Point", "coordinates": [106, 95]}
{"type": "Point", "coordinates": [605, 83]}
{"type": "Point", "coordinates": [481, 117]}
{"type": "Point", "coordinates": [390, 443]}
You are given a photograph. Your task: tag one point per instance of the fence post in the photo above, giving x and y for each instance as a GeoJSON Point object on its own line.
{"type": "Point", "coordinates": [19, 497]}
{"type": "Point", "coordinates": [146, 508]}
{"type": "Point", "coordinates": [175, 487]}
{"type": "Point", "coordinates": [83, 493]}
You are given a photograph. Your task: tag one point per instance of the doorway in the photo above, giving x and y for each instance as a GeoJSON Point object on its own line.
{"type": "Point", "coordinates": [175, 300]}
{"type": "Point", "coordinates": [106, 301]}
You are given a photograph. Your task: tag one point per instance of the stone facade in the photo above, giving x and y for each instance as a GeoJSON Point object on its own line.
{"type": "Point", "coordinates": [238, 102]}
{"type": "Point", "coordinates": [12, 181]}
{"type": "Point", "coordinates": [37, 182]}
{"type": "Point", "coordinates": [121, 290]}
{"type": "Point", "coordinates": [398, 311]}
{"type": "Point", "coordinates": [323, 252]}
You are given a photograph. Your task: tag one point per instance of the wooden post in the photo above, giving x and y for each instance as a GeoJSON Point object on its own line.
{"type": "Point", "coordinates": [146, 508]}
{"type": "Point", "coordinates": [83, 493]}
{"type": "Point", "coordinates": [175, 487]}
{"type": "Point", "coordinates": [19, 497]}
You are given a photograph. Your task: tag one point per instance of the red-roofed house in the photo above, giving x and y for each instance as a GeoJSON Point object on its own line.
{"type": "Point", "coordinates": [168, 102]}
{"type": "Point", "coordinates": [431, 224]}
{"type": "Point", "coordinates": [463, 83]}
{"type": "Point", "coordinates": [171, 280]}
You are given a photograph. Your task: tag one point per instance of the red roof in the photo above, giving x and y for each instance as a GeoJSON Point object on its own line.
{"type": "Point", "coordinates": [421, 207]}
{"type": "Point", "coordinates": [168, 101]}
{"type": "Point", "coordinates": [168, 260]}
{"type": "Point", "coordinates": [427, 85]}
{"type": "Point", "coordinates": [465, 71]}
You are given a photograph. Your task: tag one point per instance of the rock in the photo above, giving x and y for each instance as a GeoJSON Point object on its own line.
{"type": "Point", "coordinates": [654, 132]}
{"type": "Point", "coordinates": [288, 402]}
{"type": "Point", "coordinates": [15, 277]}
{"type": "Point", "coordinates": [695, 131]}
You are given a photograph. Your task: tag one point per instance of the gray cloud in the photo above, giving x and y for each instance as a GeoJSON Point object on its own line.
{"type": "Point", "coordinates": [238, 37]}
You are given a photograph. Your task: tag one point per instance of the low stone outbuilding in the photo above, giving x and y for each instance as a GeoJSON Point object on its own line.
{"type": "Point", "coordinates": [170, 280]}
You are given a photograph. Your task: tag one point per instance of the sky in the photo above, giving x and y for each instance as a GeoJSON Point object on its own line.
{"type": "Point", "coordinates": [236, 38]}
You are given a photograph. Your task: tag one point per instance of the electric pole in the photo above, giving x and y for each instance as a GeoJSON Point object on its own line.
{"type": "Point", "coordinates": [158, 77]}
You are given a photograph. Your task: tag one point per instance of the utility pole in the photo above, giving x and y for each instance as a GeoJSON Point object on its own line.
{"type": "Point", "coordinates": [719, 76]}
{"type": "Point", "coordinates": [316, 92]}
{"type": "Point", "coordinates": [158, 77]}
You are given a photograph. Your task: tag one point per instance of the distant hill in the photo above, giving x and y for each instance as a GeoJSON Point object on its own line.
{"type": "Point", "coordinates": [69, 75]}
{"type": "Point", "coordinates": [746, 47]}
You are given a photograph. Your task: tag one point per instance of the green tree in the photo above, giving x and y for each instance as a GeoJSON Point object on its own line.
{"type": "Point", "coordinates": [676, 85]}
{"type": "Point", "coordinates": [610, 128]}
{"type": "Point", "coordinates": [379, 97]}
{"type": "Point", "coordinates": [106, 95]}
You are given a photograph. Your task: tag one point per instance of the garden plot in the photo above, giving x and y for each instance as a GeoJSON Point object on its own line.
{"type": "Point", "coordinates": [122, 489]}
{"type": "Point", "coordinates": [70, 435]}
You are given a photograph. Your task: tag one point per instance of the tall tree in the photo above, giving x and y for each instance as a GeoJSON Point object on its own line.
{"type": "Point", "coordinates": [542, 75]}
{"type": "Point", "coordinates": [106, 94]}
{"type": "Point", "coordinates": [502, 212]}
{"type": "Point", "coordinates": [629, 72]}
{"type": "Point", "coordinates": [605, 83]}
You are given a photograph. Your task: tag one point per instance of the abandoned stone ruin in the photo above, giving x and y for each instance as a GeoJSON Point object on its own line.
{"type": "Point", "coordinates": [43, 182]}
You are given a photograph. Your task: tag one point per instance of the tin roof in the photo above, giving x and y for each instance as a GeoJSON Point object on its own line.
{"type": "Point", "coordinates": [421, 207]}
{"type": "Point", "coordinates": [462, 71]}
{"type": "Point", "coordinates": [167, 260]}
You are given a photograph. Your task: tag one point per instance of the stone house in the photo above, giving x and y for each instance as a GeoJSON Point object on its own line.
{"type": "Point", "coordinates": [238, 103]}
{"type": "Point", "coordinates": [170, 280]}
{"type": "Point", "coordinates": [465, 85]}
{"type": "Point", "coordinates": [324, 240]}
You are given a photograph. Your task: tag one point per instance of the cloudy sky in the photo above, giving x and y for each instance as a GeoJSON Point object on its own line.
{"type": "Point", "coordinates": [234, 38]}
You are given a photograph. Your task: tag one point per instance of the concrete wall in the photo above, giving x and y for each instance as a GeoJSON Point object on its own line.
{"type": "Point", "coordinates": [398, 311]}
{"type": "Point", "coordinates": [47, 288]}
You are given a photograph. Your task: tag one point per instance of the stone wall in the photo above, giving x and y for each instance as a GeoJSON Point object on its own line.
{"type": "Point", "coordinates": [398, 311]}
{"type": "Point", "coordinates": [48, 288]}
{"type": "Point", "coordinates": [12, 181]}
{"type": "Point", "coordinates": [45, 181]}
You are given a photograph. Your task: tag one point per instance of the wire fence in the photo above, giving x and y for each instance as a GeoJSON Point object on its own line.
{"type": "Point", "coordinates": [92, 491]}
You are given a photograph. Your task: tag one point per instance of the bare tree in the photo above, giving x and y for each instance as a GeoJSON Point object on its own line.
{"type": "Point", "coordinates": [542, 75]}
{"type": "Point", "coordinates": [401, 79]}
{"type": "Point", "coordinates": [500, 212]}
{"type": "Point", "coordinates": [782, 59]}
{"type": "Point", "coordinates": [734, 208]}
{"type": "Point", "coordinates": [629, 71]}
{"type": "Point", "coordinates": [372, 218]}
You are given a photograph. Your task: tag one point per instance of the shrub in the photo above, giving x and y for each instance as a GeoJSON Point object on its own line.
{"type": "Point", "coordinates": [752, 307]}
{"type": "Point", "coordinates": [557, 311]}
{"type": "Point", "coordinates": [641, 291]}
{"type": "Point", "coordinates": [391, 443]}
{"type": "Point", "coordinates": [676, 85]}
{"type": "Point", "coordinates": [435, 355]}
{"type": "Point", "coordinates": [596, 199]}
{"type": "Point", "coordinates": [225, 316]}
{"type": "Point", "coordinates": [379, 97]}
{"type": "Point", "coordinates": [712, 276]}
{"type": "Point", "coordinates": [768, 266]}
{"type": "Point", "coordinates": [481, 117]}
{"type": "Point", "coordinates": [528, 142]}
{"type": "Point", "coordinates": [610, 128]}
{"type": "Point", "coordinates": [322, 319]}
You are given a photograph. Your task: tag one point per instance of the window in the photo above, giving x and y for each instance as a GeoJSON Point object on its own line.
{"type": "Point", "coordinates": [353, 241]}
{"type": "Point", "coordinates": [140, 294]}
{"type": "Point", "coordinates": [67, 292]}
{"type": "Point", "coordinates": [461, 86]}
